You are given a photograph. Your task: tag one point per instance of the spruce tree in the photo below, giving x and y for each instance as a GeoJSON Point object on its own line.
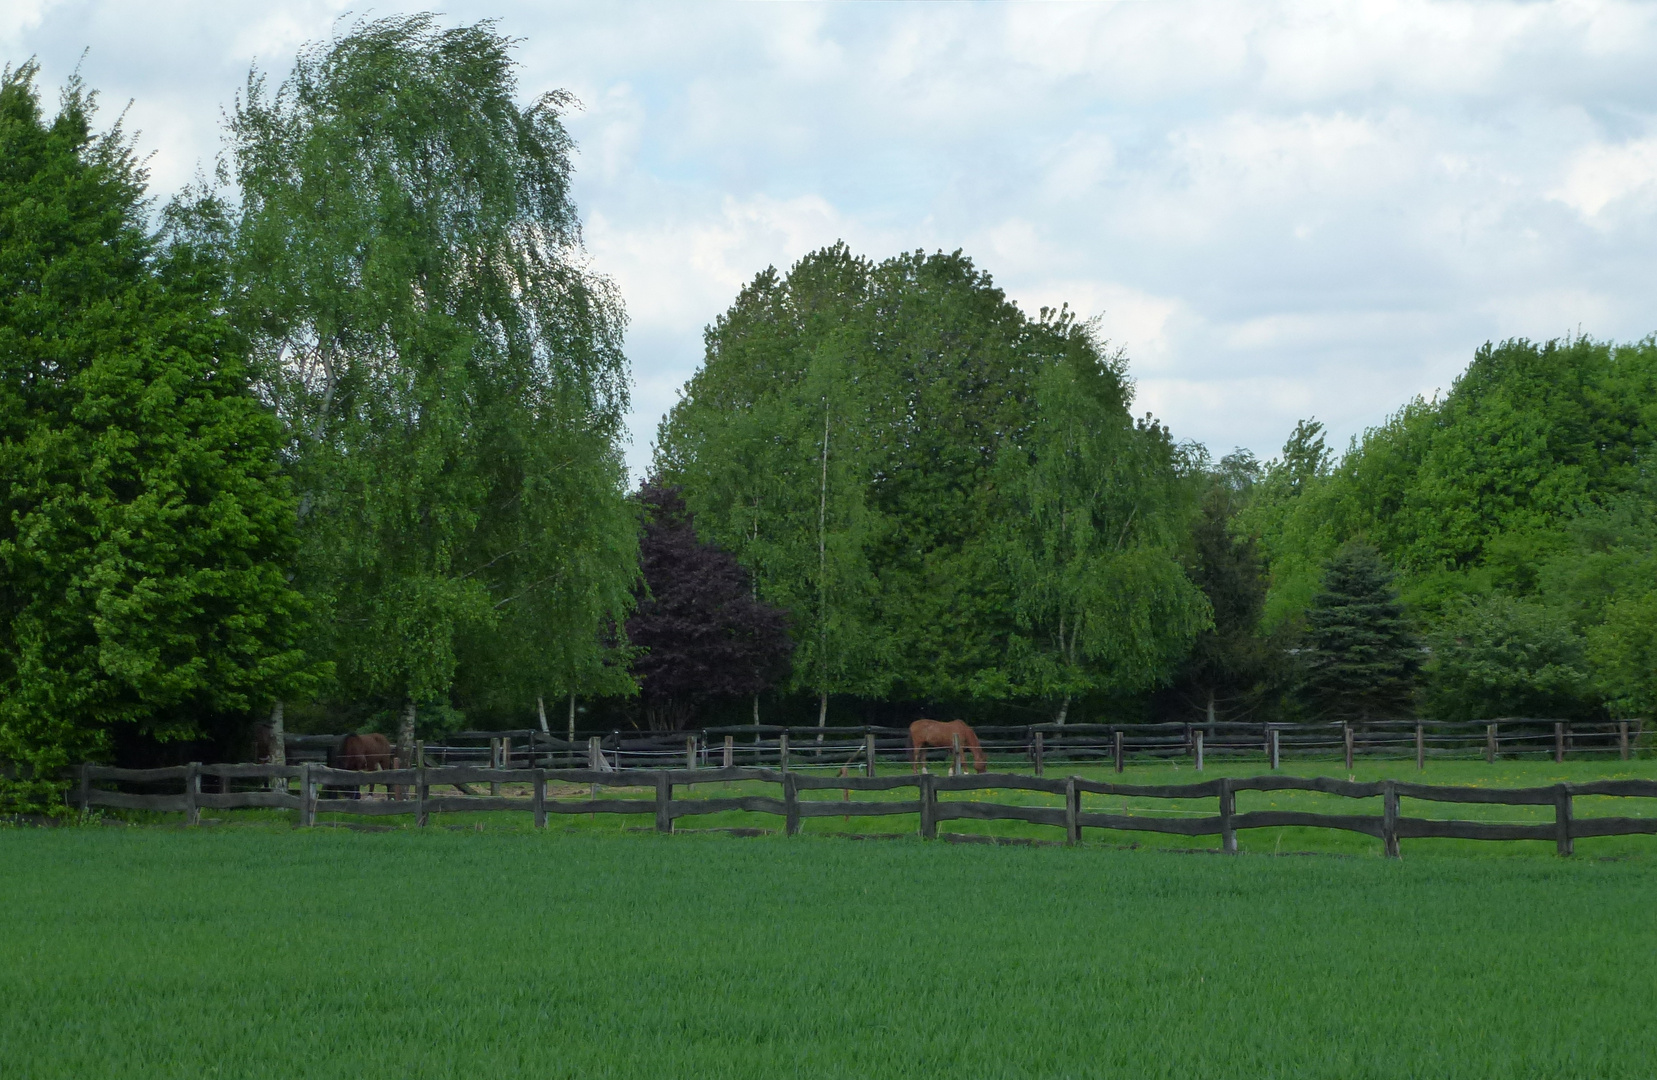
{"type": "Point", "coordinates": [144, 529]}
{"type": "Point", "coordinates": [1361, 655]}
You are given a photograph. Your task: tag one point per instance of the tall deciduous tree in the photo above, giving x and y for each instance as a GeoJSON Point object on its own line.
{"type": "Point", "coordinates": [145, 530]}
{"type": "Point", "coordinates": [1361, 656]}
{"type": "Point", "coordinates": [407, 260]}
{"type": "Point", "coordinates": [1096, 512]}
{"type": "Point", "coordinates": [700, 630]}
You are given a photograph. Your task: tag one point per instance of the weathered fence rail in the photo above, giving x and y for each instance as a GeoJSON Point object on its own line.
{"type": "Point", "coordinates": [409, 792]}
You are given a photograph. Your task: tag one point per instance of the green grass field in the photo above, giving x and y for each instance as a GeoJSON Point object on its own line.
{"type": "Point", "coordinates": [587, 951]}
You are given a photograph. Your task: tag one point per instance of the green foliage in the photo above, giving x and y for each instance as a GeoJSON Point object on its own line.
{"type": "Point", "coordinates": [1094, 510]}
{"type": "Point", "coordinates": [887, 447]}
{"type": "Point", "coordinates": [405, 258]}
{"type": "Point", "coordinates": [1281, 510]}
{"type": "Point", "coordinates": [1233, 668]}
{"type": "Point", "coordinates": [1499, 655]}
{"type": "Point", "coordinates": [144, 528]}
{"type": "Point", "coordinates": [1623, 650]}
{"type": "Point", "coordinates": [1361, 655]}
{"type": "Point", "coordinates": [1527, 480]}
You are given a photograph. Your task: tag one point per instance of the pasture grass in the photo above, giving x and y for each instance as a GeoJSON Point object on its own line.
{"type": "Point", "coordinates": [272, 951]}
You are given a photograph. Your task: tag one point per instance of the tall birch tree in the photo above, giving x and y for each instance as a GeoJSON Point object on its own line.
{"type": "Point", "coordinates": [407, 261]}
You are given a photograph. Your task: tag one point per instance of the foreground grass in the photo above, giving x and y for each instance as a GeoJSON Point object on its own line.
{"type": "Point", "coordinates": [278, 952]}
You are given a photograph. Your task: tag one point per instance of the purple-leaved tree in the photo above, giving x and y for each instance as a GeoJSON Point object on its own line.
{"type": "Point", "coordinates": [703, 632]}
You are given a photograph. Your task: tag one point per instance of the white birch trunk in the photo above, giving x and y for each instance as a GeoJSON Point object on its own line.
{"type": "Point", "coordinates": [405, 733]}
{"type": "Point", "coordinates": [278, 745]}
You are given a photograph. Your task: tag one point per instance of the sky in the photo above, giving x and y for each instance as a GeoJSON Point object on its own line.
{"type": "Point", "coordinates": [1278, 210]}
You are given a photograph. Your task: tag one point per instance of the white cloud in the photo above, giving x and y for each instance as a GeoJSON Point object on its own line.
{"type": "Point", "coordinates": [1602, 175]}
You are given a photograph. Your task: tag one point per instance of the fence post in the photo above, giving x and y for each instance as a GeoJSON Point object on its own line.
{"type": "Point", "coordinates": [1228, 810]}
{"type": "Point", "coordinates": [730, 751]}
{"type": "Point", "coordinates": [1072, 812]}
{"type": "Point", "coordinates": [1558, 744]}
{"type": "Point", "coordinates": [1196, 742]}
{"type": "Point", "coordinates": [1117, 739]}
{"type": "Point", "coordinates": [307, 794]}
{"type": "Point", "coordinates": [1562, 819]}
{"type": "Point", "coordinates": [1622, 738]}
{"type": "Point", "coordinates": [421, 815]}
{"type": "Point", "coordinates": [494, 763]}
{"type": "Point", "coordinates": [1389, 819]}
{"type": "Point", "coordinates": [540, 799]}
{"type": "Point", "coordinates": [664, 793]}
{"type": "Point", "coordinates": [929, 806]}
{"type": "Point", "coordinates": [1274, 752]}
{"type": "Point", "coordinates": [86, 778]}
{"type": "Point", "coordinates": [791, 804]}
{"type": "Point", "coordinates": [1490, 744]}
{"type": "Point", "coordinates": [782, 751]}
{"type": "Point", "coordinates": [592, 753]}
{"type": "Point", "coordinates": [1346, 734]}
{"type": "Point", "coordinates": [1040, 755]}
{"type": "Point", "coordinates": [192, 793]}
{"type": "Point", "coordinates": [869, 752]}
{"type": "Point", "coordinates": [690, 751]}
{"type": "Point", "coordinates": [1420, 749]}
{"type": "Point", "coordinates": [956, 766]}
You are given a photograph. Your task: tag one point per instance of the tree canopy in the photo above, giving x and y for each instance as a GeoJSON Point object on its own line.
{"type": "Point", "coordinates": [948, 496]}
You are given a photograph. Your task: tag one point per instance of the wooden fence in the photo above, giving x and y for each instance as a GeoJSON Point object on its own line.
{"type": "Point", "coordinates": [1030, 746]}
{"type": "Point", "coordinates": [320, 791]}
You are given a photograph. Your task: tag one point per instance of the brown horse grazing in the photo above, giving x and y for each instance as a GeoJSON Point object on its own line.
{"type": "Point", "coordinates": [364, 753]}
{"type": "Point", "coordinates": [925, 733]}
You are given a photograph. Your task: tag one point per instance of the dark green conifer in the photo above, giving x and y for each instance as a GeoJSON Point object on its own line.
{"type": "Point", "coordinates": [144, 528]}
{"type": "Point", "coordinates": [1361, 655]}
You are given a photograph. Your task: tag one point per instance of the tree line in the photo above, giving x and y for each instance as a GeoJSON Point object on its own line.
{"type": "Point", "coordinates": [333, 441]}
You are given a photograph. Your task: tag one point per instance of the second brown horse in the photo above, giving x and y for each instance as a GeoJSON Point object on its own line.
{"type": "Point", "coordinates": [925, 733]}
{"type": "Point", "coordinates": [366, 753]}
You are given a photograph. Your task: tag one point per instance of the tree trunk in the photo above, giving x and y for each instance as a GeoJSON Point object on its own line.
{"type": "Point", "coordinates": [1064, 711]}
{"type": "Point", "coordinates": [1211, 714]}
{"type": "Point", "coordinates": [541, 708]}
{"type": "Point", "coordinates": [572, 716]}
{"type": "Point", "coordinates": [822, 582]}
{"type": "Point", "coordinates": [756, 710]}
{"type": "Point", "coordinates": [278, 747]}
{"type": "Point", "coordinates": [405, 733]}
